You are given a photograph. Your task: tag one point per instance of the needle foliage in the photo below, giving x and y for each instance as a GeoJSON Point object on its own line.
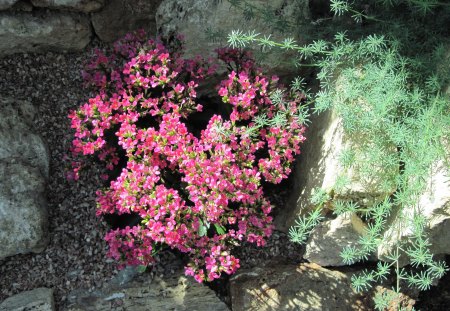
{"type": "Point", "coordinates": [384, 68]}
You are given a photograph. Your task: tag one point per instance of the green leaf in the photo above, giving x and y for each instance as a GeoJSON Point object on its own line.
{"type": "Point", "coordinates": [304, 225]}
{"type": "Point", "coordinates": [319, 196]}
{"type": "Point", "coordinates": [362, 282]}
{"type": "Point", "coordinates": [203, 228]}
{"type": "Point", "coordinates": [349, 255]}
{"type": "Point", "coordinates": [219, 229]}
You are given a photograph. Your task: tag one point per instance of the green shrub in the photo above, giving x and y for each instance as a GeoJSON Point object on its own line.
{"type": "Point", "coordinates": [385, 76]}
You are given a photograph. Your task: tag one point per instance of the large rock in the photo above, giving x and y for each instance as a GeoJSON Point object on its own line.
{"type": "Point", "coordinates": [197, 20]}
{"type": "Point", "coordinates": [305, 287]}
{"type": "Point", "coordinates": [39, 299]}
{"type": "Point", "coordinates": [72, 5]}
{"type": "Point", "coordinates": [434, 205]}
{"type": "Point", "coordinates": [17, 139]}
{"type": "Point", "coordinates": [24, 165]}
{"type": "Point", "coordinates": [319, 166]}
{"type": "Point", "coordinates": [23, 221]}
{"type": "Point", "coordinates": [176, 292]}
{"type": "Point", "coordinates": [119, 17]}
{"type": "Point", "coordinates": [23, 32]}
{"type": "Point", "coordinates": [329, 238]}
{"type": "Point", "coordinates": [6, 4]}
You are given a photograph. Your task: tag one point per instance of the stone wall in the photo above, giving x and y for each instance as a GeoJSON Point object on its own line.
{"type": "Point", "coordinates": [69, 25]}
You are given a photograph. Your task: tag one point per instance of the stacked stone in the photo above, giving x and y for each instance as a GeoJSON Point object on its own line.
{"type": "Point", "coordinates": [69, 25]}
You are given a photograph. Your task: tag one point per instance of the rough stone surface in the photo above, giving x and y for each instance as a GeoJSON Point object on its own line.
{"type": "Point", "coordinates": [24, 167]}
{"type": "Point", "coordinates": [24, 32]}
{"type": "Point", "coordinates": [6, 4]}
{"type": "Point", "coordinates": [73, 5]}
{"type": "Point", "coordinates": [22, 5]}
{"type": "Point", "coordinates": [434, 204]}
{"type": "Point", "coordinates": [196, 19]}
{"type": "Point", "coordinates": [304, 287]}
{"type": "Point", "coordinates": [329, 238]}
{"type": "Point", "coordinates": [144, 293]}
{"type": "Point", "coordinates": [17, 139]}
{"type": "Point", "coordinates": [39, 299]}
{"type": "Point", "coordinates": [119, 17]}
{"type": "Point", "coordinates": [23, 221]}
{"type": "Point", "coordinates": [319, 167]}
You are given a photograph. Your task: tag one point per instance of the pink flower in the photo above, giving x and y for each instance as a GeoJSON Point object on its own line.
{"type": "Point", "coordinates": [198, 193]}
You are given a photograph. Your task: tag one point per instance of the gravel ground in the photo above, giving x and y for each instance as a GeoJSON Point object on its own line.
{"type": "Point", "coordinates": [76, 255]}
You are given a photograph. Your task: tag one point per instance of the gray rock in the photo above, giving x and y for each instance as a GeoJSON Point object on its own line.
{"type": "Point", "coordinates": [17, 139]}
{"type": "Point", "coordinates": [319, 167]}
{"type": "Point", "coordinates": [175, 292]}
{"type": "Point", "coordinates": [23, 209]}
{"type": "Point", "coordinates": [434, 204]}
{"type": "Point", "coordinates": [24, 167]}
{"type": "Point", "coordinates": [6, 4]}
{"type": "Point", "coordinates": [119, 17]}
{"type": "Point", "coordinates": [304, 287]}
{"type": "Point", "coordinates": [126, 275]}
{"type": "Point", "coordinates": [329, 238]}
{"type": "Point", "coordinates": [39, 299]}
{"type": "Point", "coordinates": [22, 5]}
{"type": "Point", "coordinates": [23, 32]}
{"type": "Point", "coordinates": [192, 18]}
{"type": "Point", "coordinates": [72, 5]}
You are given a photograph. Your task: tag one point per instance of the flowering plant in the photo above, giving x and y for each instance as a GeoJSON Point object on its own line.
{"type": "Point", "coordinates": [197, 192]}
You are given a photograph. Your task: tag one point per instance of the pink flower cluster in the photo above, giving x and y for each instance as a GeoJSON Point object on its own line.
{"type": "Point", "coordinates": [201, 194]}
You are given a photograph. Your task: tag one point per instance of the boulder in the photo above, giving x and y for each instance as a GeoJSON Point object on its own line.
{"type": "Point", "coordinates": [319, 167]}
{"type": "Point", "coordinates": [6, 4]}
{"type": "Point", "coordinates": [434, 204]}
{"type": "Point", "coordinates": [17, 139]}
{"type": "Point", "coordinates": [304, 287]}
{"type": "Point", "coordinates": [24, 167]}
{"type": "Point", "coordinates": [119, 17]}
{"type": "Point", "coordinates": [23, 210]}
{"type": "Point", "coordinates": [39, 299]}
{"type": "Point", "coordinates": [85, 6]}
{"type": "Point", "coordinates": [329, 238]}
{"type": "Point", "coordinates": [205, 25]}
{"type": "Point", "coordinates": [23, 32]}
{"type": "Point", "coordinates": [175, 292]}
